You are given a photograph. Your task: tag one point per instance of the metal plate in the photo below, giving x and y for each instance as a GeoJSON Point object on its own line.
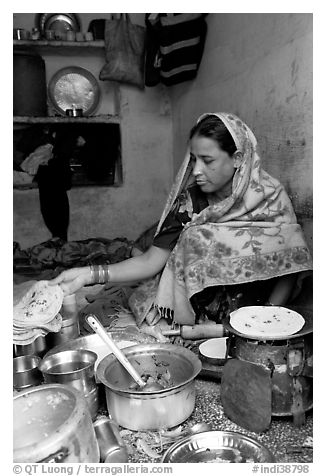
{"type": "Point", "coordinates": [74, 88]}
{"type": "Point", "coordinates": [94, 343]}
{"type": "Point", "coordinates": [57, 21]}
{"type": "Point", "coordinates": [218, 447]}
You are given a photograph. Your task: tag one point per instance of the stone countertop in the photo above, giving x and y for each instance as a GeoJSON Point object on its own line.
{"type": "Point", "coordinates": [279, 438]}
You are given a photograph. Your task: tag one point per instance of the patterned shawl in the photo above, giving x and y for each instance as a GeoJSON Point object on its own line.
{"type": "Point", "coordinates": [251, 235]}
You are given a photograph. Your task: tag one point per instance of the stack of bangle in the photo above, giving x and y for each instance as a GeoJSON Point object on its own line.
{"type": "Point", "coordinates": [100, 274]}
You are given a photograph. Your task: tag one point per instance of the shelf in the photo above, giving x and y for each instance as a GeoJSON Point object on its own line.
{"type": "Point", "coordinates": [55, 43]}
{"type": "Point", "coordinates": [103, 119]}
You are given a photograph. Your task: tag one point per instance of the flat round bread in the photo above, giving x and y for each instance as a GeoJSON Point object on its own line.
{"type": "Point", "coordinates": [38, 306]}
{"type": "Point", "coordinates": [266, 321]}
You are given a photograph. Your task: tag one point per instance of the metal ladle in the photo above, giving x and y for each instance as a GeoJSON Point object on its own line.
{"type": "Point", "coordinates": [101, 332]}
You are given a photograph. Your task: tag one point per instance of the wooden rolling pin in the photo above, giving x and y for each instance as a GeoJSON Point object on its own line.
{"type": "Point", "coordinates": [198, 331]}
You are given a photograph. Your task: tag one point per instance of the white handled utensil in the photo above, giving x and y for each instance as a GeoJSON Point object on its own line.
{"type": "Point", "coordinates": [101, 332]}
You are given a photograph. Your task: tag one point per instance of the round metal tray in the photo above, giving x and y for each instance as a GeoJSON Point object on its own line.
{"type": "Point", "coordinates": [93, 342]}
{"type": "Point", "coordinates": [74, 88]}
{"type": "Point", "coordinates": [218, 447]}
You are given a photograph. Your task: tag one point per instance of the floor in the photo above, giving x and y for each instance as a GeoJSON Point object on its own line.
{"type": "Point", "coordinates": [282, 438]}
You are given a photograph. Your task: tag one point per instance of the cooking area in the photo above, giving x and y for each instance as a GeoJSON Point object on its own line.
{"type": "Point", "coordinates": [246, 414]}
{"type": "Point", "coordinates": [162, 255]}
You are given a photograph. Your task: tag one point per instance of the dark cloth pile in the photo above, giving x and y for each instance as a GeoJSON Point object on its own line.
{"type": "Point", "coordinates": [46, 260]}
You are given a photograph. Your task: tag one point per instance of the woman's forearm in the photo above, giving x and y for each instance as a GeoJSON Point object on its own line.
{"type": "Point", "coordinates": [139, 267]}
{"type": "Point", "coordinates": [134, 269]}
{"type": "Point", "coordinates": [282, 290]}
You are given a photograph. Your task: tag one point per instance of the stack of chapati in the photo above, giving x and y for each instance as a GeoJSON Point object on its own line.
{"type": "Point", "coordinates": [36, 311]}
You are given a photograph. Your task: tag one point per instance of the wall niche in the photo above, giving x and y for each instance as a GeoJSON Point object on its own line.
{"type": "Point", "coordinates": [84, 154]}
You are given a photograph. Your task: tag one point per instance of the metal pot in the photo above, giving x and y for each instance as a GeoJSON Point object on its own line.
{"type": "Point", "coordinates": [52, 424]}
{"type": "Point", "coordinates": [141, 410]}
{"type": "Point", "coordinates": [76, 369]}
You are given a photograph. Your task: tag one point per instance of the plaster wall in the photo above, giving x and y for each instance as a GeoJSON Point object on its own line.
{"type": "Point", "coordinates": [258, 66]}
{"type": "Point", "coordinates": [146, 135]}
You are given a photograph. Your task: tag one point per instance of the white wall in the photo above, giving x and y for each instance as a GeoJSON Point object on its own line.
{"type": "Point", "coordinates": [146, 131]}
{"type": "Point", "coordinates": [258, 66]}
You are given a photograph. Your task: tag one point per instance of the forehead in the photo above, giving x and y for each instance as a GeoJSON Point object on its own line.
{"type": "Point", "coordinates": [201, 145]}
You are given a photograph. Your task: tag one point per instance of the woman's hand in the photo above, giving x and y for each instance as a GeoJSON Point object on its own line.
{"type": "Point", "coordinates": [72, 279]}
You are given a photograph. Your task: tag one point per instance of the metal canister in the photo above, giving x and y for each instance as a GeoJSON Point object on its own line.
{"type": "Point", "coordinates": [111, 446]}
{"type": "Point", "coordinates": [70, 323]}
{"type": "Point", "coordinates": [38, 347]}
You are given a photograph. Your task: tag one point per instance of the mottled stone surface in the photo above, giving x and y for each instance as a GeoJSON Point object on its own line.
{"type": "Point", "coordinates": [281, 436]}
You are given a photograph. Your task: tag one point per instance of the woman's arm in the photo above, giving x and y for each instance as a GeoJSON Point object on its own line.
{"type": "Point", "coordinates": [282, 290]}
{"type": "Point", "coordinates": [134, 269]}
{"type": "Point", "coordinates": [139, 267]}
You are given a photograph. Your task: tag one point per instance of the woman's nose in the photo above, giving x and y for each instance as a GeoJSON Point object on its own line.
{"type": "Point", "coordinates": [196, 170]}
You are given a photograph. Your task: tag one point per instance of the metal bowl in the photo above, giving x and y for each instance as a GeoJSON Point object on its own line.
{"type": "Point", "coordinates": [218, 447]}
{"type": "Point", "coordinates": [145, 410]}
{"type": "Point", "coordinates": [214, 351]}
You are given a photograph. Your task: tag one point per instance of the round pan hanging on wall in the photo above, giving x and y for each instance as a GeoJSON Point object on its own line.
{"type": "Point", "coordinates": [74, 88]}
{"type": "Point", "coordinates": [60, 22]}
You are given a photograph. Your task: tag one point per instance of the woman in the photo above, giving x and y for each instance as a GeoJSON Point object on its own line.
{"type": "Point", "coordinates": [228, 235]}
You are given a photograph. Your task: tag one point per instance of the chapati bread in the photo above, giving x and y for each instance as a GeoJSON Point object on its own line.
{"type": "Point", "coordinates": [266, 321]}
{"type": "Point", "coordinates": [38, 306]}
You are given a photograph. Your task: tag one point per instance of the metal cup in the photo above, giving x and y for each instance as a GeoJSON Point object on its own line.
{"type": "Point", "coordinates": [25, 371]}
{"type": "Point", "coordinates": [50, 35]}
{"type": "Point", "coordinates": [111, 446]}
{"type": "Point", "coordinates": [79, 36]}
{"type": "Point", "coordinates": [71, 36]}
{"type": "Point", "coordinates": [76, 369]}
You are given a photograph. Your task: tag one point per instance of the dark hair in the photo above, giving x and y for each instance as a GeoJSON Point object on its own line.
{"type": "Point", "coordinates": [213, 128]}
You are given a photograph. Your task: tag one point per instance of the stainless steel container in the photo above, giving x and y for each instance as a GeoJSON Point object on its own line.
{"type": "Point", "coordinates": [38, 347]}
{"type": "Point", "coordinates": [76, 369]}
{"type": "Point", "coordinates": [52, 424]}
{"type": "Point", "coordinates": [70, 323]}
{"type": "Point", "coordinates": [111, 446]}
{"type": "Point", "coordinates": [141, 410]}
{"type": "Point", "coordinates": [26, 372]}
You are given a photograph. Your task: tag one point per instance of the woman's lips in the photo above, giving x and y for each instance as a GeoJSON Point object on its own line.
{"type": "Point", "coordinates": [201, 182]}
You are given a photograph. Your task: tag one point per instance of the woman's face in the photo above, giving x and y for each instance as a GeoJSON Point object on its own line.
{"type": "Point", "coordinates": [213, 168]}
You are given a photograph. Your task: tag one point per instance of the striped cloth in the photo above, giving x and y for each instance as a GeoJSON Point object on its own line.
{"type": "Point", "coordinates": [175, 44]}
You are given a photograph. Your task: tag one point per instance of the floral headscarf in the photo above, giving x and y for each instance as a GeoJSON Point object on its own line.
{"type": "Point", "coordinates": [251, 235]}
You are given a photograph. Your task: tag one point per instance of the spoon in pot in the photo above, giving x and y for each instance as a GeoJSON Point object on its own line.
{"type": "Point", "coordinates": [101, 332]}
